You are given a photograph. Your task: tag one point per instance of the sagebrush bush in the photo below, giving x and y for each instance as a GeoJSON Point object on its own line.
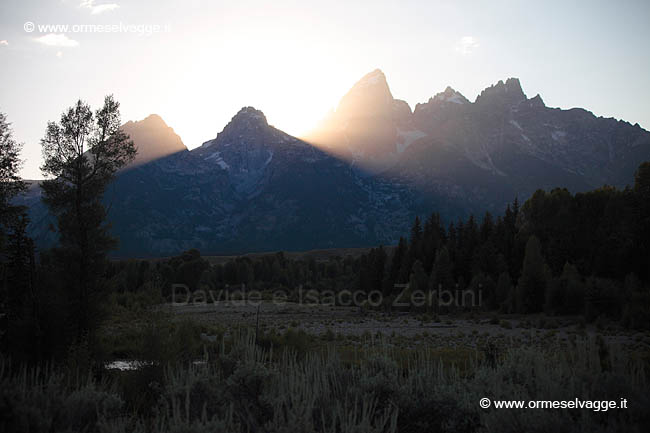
{"type": "Point", "coordinates": [246, 386]}
{"type": "Point", "coordinates": [45, 400]}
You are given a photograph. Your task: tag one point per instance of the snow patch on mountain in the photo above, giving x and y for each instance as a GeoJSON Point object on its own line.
{"type": "Point", "coordinates": [406, 138]}
{"type": "Point", "coordinates": [216, 156]}
{"type": "Point", "coordinates": [450, 95]}
{"type": "Point", "coordinates": [269, 159]}
{"type": "Point", "coordinates": [516, 124]}
{"type": "Point", "coordinates": [456, 99]}
{"type": "Point", "coordinates": [558, 135]}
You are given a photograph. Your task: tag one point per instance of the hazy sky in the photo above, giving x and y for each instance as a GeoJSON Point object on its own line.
{"type": "Point", "coordinates": [295, 59]}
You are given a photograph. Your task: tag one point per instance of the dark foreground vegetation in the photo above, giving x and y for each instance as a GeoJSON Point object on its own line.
{"type": "Point", "coordinates": [67, 313]}
{"type": "Point", "coordinates": [240, 386]}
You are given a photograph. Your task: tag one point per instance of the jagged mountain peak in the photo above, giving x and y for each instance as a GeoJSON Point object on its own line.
{"type": "Point", "coordinates": [248, 121]}
{"type": "Point", "coordinates": [536, 101]}
{"type": "Point", "coordinates": [153, 138]}
{"type": "Point", "coordinates": [375, 77]}
{"type": "Point", "coordinates": [249, 115]}
{"type": "Point", "coordinates": [372, 82]}
{"type": "Point", "coordinates": [513, 85]}
{"type": "Point", "coordinates": [450, 95]}
{"type": "Point", "coordinates": [369, 96]}
{"type": "Point", "coordinates": [152, 120]}
{"type": "Point", "coordinates": [509, 92]}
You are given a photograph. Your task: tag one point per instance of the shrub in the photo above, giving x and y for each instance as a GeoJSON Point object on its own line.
{"type": "Point", "coordinates": [383, 390]}
{"type": "Point", "coordinates": [329, 335]}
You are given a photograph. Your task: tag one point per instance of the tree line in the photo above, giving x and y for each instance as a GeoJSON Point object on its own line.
{"type": "Point", "coordinates": [562, 253]}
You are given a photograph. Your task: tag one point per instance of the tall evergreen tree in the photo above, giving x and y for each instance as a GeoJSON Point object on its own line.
{"type": "Point", "coordinates": [515, 209]}
{"type": "Point", "coordinates": [503, 290]}
{"type": "Point", "coordinates": [442, 274]}
{"type": "Point", "coordinates": [532, 283]}
{"type": "Point", "coordinates": [574, 290]}
{"type": "Point", "coordinates": [642, 204]}
{"type": "Point", "coordinates": [399, 257]}
{"type": "Point", "coordinates": [487, 227]}
{"type": "Point", "coordinates": [415, 245]}
{"type": "Point", "coordinates": [416, 295]}
{"type": "Point", "coordinates": [401, 265]}
{"type": "Point", "coordinates": [432, 238]}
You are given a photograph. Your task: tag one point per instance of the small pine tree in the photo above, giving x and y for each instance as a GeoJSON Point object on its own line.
{"type": "Point", "coordinates": [399, 256]}
{"type": "Point", "coordinates": [441, 277]}
{"type": "Point", "coordinates": [574, 290]}
{"type": "Point", "coordinates": [504, 287]}
{"type": "Point", "coordinates": [415, 245]}
{"type": "Point", "coordinates": [442, 273]}
{"type": "Point", "coordinates": [532, 283]}
{"type": "Point", "coordinates": [417, 284]}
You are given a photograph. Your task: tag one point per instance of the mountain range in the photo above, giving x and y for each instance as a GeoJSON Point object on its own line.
{"type": "Point", "coordinates": [360, 177]}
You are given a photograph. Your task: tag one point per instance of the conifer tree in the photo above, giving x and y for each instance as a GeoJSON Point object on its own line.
{"type": "Point", "coordinates": [504, 287]}
{"type": "Point", "coordinates": [441, 278]}
{"type": "Point", "coordinates": [532, 282]}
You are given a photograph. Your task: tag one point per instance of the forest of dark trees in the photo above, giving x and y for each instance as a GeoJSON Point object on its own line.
{"type": "Point", "coordinates": [557, 253]}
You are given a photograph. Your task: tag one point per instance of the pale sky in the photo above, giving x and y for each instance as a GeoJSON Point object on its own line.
{"type": "Point", "coordinates": [294, 59]}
